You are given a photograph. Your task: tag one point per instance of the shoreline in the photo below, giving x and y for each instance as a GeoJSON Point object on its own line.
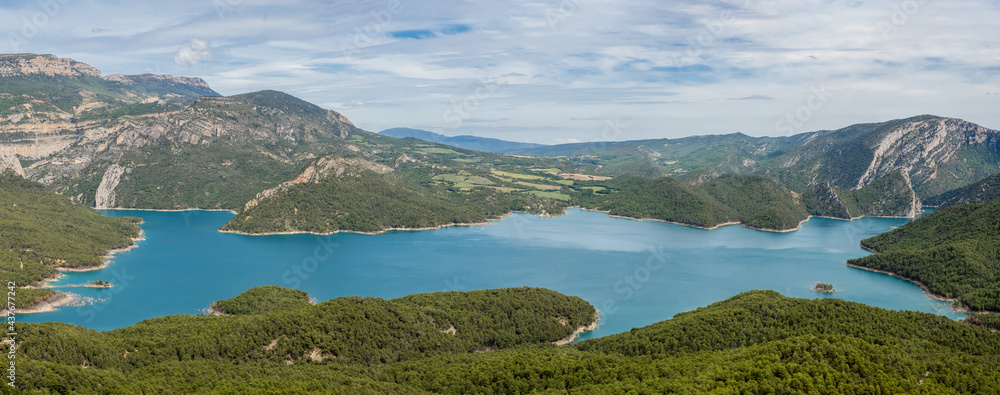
{"type": "Point", "coordinates": [579, 331]}
{"type": "Point", "coordinates": [167, 211]}
{"type": "Point", "coordinates": [955, 307]}
{"type": "Point", "coordinates": [106, 259]}
{"type": "Point", "coordinates": [48, 304]}
{"type": "Point", "coordinates": [238, 232]}
{"type": "Point", "coordinates": [799, 226]}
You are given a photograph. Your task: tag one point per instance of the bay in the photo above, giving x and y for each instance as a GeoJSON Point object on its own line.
{"type": "Point", "coordinates": [635, 272]}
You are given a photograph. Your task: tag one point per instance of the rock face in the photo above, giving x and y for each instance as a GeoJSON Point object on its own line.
{"type": "Point", "coordinates": [163, 84]}
{"type": "Point", "coordinates": [195, 157]}
{"type": "Point", "coordinates": [925, 149]}
{"type": "Point", "coordinates": [935, 154]}
{"type": "Point", "coordinates": [105, 197]}
{"type": "Point", "coordinates": [48, 65]}
{"type": "Point", "coordinates": [52, 102]}
{"type": "Point", "coordinates": [9, 162]}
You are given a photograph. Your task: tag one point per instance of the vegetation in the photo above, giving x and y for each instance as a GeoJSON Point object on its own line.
{"type": "Point", "coordinates": [365, 201]}
{"type": "Point", "coordinates": [754, 201]}
{"type": "Point", "coordinates": [261, 300]}
{"type": "Point", "coordinates": [983, 191]}
{"type": "Point", "coordinates": [823, 287]}
{"type": "Point", "coordinates": [953, 251]}
{"type": "Point", "coordinates": [100, 283]}
{"type": "Point", "coordinates": [760, 202]}
{"type": "Point", "coordinates": [40, 230]}
{"type": "Point", "coordinates": [756, 342]}
{"type": "Point", "coordinates": [890, 196]}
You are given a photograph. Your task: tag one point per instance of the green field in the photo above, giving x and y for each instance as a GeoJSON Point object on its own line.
{"type": "Point", "coordinates": [439, 151]}
{"type": "Point", "coordinates": [464, 178]}
{"type": "Point", "coordinates": [549, 195]}
{"type": "Point", "coordinates": [517, 175]}
{"type": "Point", "coordinates": [539, 186]}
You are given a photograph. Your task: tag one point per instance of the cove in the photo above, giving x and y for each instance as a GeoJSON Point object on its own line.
{"type": "Point", "coordinates": [635, 272]}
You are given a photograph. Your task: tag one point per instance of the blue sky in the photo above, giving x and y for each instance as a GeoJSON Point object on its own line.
{"type": "Point", "coordinates": [554, 71]}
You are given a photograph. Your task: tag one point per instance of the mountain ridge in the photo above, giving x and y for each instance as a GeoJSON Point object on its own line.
{"type": "Point", "coordinates": [475, 143]}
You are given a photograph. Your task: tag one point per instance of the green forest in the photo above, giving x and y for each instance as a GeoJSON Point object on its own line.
{"type": "Point", "coordinates": [367, 201]}
{"type": "Point", "coordinates": [40, 230]}
{"type": "Point", "coordinates": [954, 251]}
{"type": "Point", "coordinates": [499, 341]}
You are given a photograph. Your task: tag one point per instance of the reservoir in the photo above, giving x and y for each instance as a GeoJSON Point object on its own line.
{"type": "Point", "coordinates": [635, 272]}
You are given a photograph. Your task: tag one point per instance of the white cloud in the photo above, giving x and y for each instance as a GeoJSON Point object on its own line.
{"type": "Point", "coordinates": [603, 59]}
{"type": "Point", "coordinates": [193, 53]}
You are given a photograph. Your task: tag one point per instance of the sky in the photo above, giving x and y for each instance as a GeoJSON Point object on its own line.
{"type": "Point", "coordinates": [554, 71]}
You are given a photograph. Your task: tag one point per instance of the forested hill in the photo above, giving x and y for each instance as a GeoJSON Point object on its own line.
{"type": "Point", "coordinates": [499, 341]}
{"type": "Point", "coordinates": [954, 251]}
{"type": "Point", "coordinates": [40, 230]}
{"type": "Point", "coordinates": [983, 191]}
{"type": "Point", "coordinates": [754, 201]}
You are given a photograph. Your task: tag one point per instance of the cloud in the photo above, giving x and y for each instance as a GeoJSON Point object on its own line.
{"type": "Point", "coordinates": [754, 97]}
{"type": "Point", "coordinates": [670, 70]}
{"type": "Point", "coordinates": [193, 53]}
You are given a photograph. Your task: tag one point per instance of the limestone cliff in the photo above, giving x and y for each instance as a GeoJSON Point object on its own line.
{"type": "Point", "coordinates": [48, 65]}
{"type": "Point", "coordinates": [9, 162]}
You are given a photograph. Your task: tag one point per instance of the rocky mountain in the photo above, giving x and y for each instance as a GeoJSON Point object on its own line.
{"type": "Point", "coordinates": [936, 154]}
{"type": "Point", "coordinates": [48, 103]}
{"type": "Point", "coordinates": [219, 152]}
{"type": "Point", "coordinates": [468, 142]}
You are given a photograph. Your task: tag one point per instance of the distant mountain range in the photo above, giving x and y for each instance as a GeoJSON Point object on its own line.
{"type": "Point", "coordinates": [468, 142]}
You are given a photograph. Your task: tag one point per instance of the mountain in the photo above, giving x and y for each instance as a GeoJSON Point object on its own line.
{"type": "Point", "coordinates": [952, 251]}
{"type": "Point", "coordinates": [983, 191]}
{"type": "Point", "coordinates": [468, 142]}
{"type": "Point", "coordinates": [935, 154]}
{"type": "Point", "coordinates": [217, 153]}
{"type": "Point", "coordinates": [500, 341]}
{"type": "Point", "coordinates": [49, 103]}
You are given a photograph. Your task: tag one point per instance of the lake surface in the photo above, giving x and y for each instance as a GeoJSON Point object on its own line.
{"type": "Point", "coordinates": [635, 272]}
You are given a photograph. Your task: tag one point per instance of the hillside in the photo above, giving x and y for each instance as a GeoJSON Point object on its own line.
{"type": "Point", "coordinates": [754, 201]}
{"type": "Point", "coordinates": [953, 251]}
{"type": "Point", "coordinates": [936, 154]}
{"type": "Point", "coordinates": [49, 103]}
{"type": "Point", "coordinates": [468, 142]}
{"type": "Point", "coordinates": [401, 187]}
{"type": "Point", "coordinates": [983, 191]}
{"type": "Point", "coordinates": [40, 231]}
{"type": "Point", "coordinates": [498, 341]}
{"type": "Point", "coordinates": [217, 153]}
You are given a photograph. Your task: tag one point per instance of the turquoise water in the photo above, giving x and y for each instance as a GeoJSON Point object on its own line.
{"type": "Point", "coordinates": [635, 272]}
